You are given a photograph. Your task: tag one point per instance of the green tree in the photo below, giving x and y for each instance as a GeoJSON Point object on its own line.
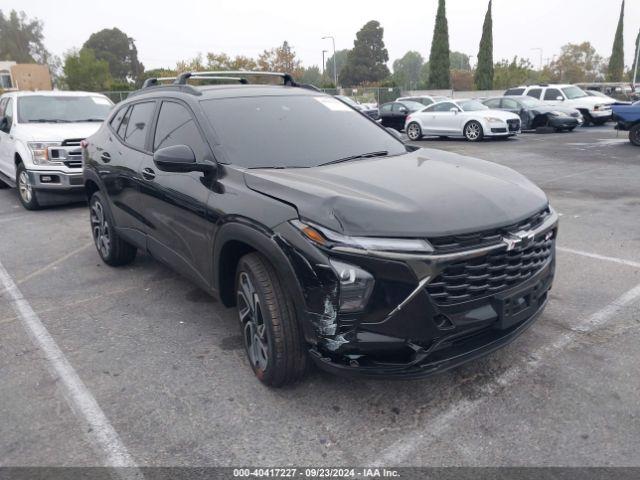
{"type": "Point", "coordinates": [367, 61]}
{"type": "Point", "coordinates": [21, 39]}
{"type": "Point", "coordinates": [312, 76]}
{"type": "Point", "coordinates": [615, 71]}
{"type": "Point", "coordinates": [484, 70]}
{"type": "Point", "coordinates": [83, 71]}
{"type": "Point", "coordinates": [439, 63]}
{"type": "Point", "coordinates": [119, 51]}
{"type": "Point", "coordinates": [518, 71]}
{"type": "Point", "coordinates": [341, 60]}
{"type": "Point", "coordinates": [406, 70]}
{"type": "Point", "coordinates": [280, 59]}
{"type": "Point", "coordinates": [577, 63]}
{"type": "Point", "coordinates": [459, 61]}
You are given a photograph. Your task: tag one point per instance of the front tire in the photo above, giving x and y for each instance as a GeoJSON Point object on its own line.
{"type": "Point", "coordinates": [634, 135]}
{"type": "Point", "coordinates": [414, 132]}
{"type": "Point", "coordinates": [27, 195]}
{"type": "Point", "coordinates": [112, 248]}
{"type": "Point", "coordinates": [272, 338]}
{"type": "Point", "coordinates": [473, 131]}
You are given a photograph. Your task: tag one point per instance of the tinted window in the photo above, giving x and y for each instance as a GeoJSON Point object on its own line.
{"type": "Point", "coordinates": [514, 91]}
{"type": "Point", "coordinates": [441, 107]}
{"type": "Point", "coordinates": [552, 94]}
{"type": "Point", "coordinates": [122, 127]}
{"type": "Point", "coordinates": [117, 118]}
{"type": "Point", "coordinates": [510, 104]}
{"type": "Point", "coordinates": [8, 112]}
{"type": "Point", "coordinates": [493, 103]}
{"type": "Point", "coordinates": [534, 93]}
{"type": "Point", "coordinates": [138, 124]}
{"type": "Point", "coordinates": [295, 130]}
{"type": "Point", "coordinates": [398, 107]}
{"type": "Point", "coordinates": [177, 127]}
{"type": "Point", "coordinates": [386, 107]}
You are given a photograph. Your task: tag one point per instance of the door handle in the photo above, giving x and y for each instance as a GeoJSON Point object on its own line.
{"type": "Point", "coordinates": [105, 157]}
{"type": "Point", "coordinates": [148, 174]}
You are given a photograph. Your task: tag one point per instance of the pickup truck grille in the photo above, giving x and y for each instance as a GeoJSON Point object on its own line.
{"type": "Point", "coordinates": [491, 273]}
{"type": "Point", "coordinates": [69, 153]}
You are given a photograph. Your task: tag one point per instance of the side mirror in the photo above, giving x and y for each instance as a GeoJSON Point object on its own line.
{"type": "Point", "coordinates": [404, 110]}
{"type": "Point", "coordinates": [560, 98]}
{"type": "Point", "coordinates": [179, 158]}
{"type": "Point", "coordinates": [4, 124]}
{"type": "Point", "coordinates": [454, 110]}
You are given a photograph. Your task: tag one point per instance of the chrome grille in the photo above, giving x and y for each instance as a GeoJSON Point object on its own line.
{"type": "Point", "coordinates": [491, 273]}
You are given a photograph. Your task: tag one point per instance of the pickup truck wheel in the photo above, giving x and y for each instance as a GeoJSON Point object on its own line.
{"type": "Point", "coordinates": [634, 135]}
{"type": "Point", "coordinates": [272, 338]}
{"type": "Point", "coordinates": [28, 196]}
{"type": "Point", "coordinates": [473, 131]}
{"type": "Point", "coordinates": [112, 248]}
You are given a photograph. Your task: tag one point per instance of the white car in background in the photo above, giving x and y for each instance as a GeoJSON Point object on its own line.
{"type": "Point", "coordinates": [426, 100]}
{"type": "Point", "coordinates": [461, 118]}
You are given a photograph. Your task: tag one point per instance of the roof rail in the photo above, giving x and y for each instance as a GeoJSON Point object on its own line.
{"type": "Point", "coordinates": [242, 74]}
{"type": "Point", "coordinates": [152, 82]}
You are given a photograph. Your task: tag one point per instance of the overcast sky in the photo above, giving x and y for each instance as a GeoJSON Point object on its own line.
{"type": "Point", "coordinates": [168, 31]}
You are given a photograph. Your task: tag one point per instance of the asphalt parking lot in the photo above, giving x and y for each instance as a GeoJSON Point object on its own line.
{"type": "Point", "coordinates": [165, 363]}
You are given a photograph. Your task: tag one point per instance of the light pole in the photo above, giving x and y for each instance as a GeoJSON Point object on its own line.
{"type": "Point", "coordinates": [323, 62]}
{"type": "Point", "coordinates": [635, 71]}
{"type": "Point", "coordinates": [335, 70]}
{"type": "Point", "coordinates": [540, 50]}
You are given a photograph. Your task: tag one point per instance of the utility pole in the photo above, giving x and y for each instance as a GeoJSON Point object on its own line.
{"type": "Point", "coordinates": [635, 72]}
{"type": "Point", "coordinates": [335, 70]}
{"type": "Point", "coordinates": [323, 62]}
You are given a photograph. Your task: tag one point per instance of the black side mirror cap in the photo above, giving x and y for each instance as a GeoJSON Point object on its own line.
{"type": "Point", "coordinates": [181, 159]}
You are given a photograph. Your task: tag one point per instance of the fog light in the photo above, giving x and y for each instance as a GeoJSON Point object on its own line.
{"type": "Point", "coordinates": [45, 179]}
{"type": "Point", "coordinates": [356, 286]}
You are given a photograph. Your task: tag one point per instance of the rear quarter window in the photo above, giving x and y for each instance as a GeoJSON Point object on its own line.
{"type": "Point", "coordinates": [514, 91]}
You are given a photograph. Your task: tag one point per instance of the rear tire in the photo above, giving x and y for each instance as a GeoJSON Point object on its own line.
{"type": "Point", "coordinates": [272, 337]}
{"type": "Point", "coordinates": [112, 248]}
{"type": "Point", "coordinates": [473, 131]}
{"type": "Point", "coordinates": [414, 132]}
{"type": "Point", "coordinates": [634, 135]}
{"type": "Point", "coordinates": [27, 195]}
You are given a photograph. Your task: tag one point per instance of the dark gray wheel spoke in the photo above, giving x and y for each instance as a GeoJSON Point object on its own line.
{"type": "Point", "coordinates": [100, 228]}
{"type": "Point", "coordinates": [255, 330]}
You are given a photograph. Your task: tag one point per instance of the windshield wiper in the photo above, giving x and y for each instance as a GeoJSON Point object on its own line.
{"type": "Point", "coordinates": [381, 153]}
{"type": "Point", "coordinates": [89, 120]}
{"type": "Point", "coordinates": [47, 120]}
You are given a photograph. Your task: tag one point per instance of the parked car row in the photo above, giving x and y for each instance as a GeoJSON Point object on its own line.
{"type": "Point", "coordinates": [409, 268]}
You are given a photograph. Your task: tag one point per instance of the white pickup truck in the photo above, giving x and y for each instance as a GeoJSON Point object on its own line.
{"type": "Point", "coordinates": [40, 135]}
{"type": "Point", "coordinates": [594, 110]}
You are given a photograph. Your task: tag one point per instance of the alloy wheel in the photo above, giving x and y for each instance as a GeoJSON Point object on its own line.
{"type": "Point", "coordinates": [100, 229]}
{"type": "Point", "coordinates": [26, 191]}
{"type": "Point", "coordinates": [413, 132]}
{"type": "Point", "coordinates": [472, 131]}
{"type": "Point", "coordinates": [254, 328]}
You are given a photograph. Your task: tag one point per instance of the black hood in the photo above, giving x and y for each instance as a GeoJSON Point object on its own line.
{"type": "Point", "coordinates": [552, 108]}
{"type": "Point", "coordinates": [427, 193]}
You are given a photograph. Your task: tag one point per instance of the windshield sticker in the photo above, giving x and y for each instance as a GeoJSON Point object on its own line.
{"type": "Point", "coordinates": [333, 104]}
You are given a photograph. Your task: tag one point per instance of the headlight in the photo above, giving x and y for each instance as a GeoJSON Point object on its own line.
{"type": "Point", "coordinates": [40, 152]}
{"type": "Point", "coordinates": [598, 107]}
{"type": "Point", "coordinates": [330, 239]}
{"type": "Point", "coordinates": [356, 286]}
{"type": "Point", "coordinates": [494, 120]}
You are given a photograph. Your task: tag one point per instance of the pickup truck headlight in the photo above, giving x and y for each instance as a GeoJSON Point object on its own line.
{"type": "Point", "coordinates": [330, 239]}
{"type": "Point", "coordinates": [356, 286]}
{"type": "Point", "coordinates": [40, 152]}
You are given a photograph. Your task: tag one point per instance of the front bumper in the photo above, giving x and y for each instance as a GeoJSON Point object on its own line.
{"type": "Point", "coordinates": [601, 114]}
{"type": "Point", "coordinates": [56, 180]}
{"type": "Point", "coordinates": [564, 122]}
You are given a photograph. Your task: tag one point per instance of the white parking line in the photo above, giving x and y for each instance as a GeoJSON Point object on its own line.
{"type": "Point", "coordinates": [101, 434]}
{"type": "Point", "coordinates": [621, 261]}
{"type": "Point", "coordinates": [416, 441]}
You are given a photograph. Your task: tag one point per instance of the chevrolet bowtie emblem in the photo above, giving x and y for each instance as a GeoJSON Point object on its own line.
{"type": "Point", "coordinates": [517, 239]}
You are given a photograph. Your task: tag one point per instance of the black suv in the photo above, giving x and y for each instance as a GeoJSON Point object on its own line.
{"type": "Point", "coordinates": [337, 243]}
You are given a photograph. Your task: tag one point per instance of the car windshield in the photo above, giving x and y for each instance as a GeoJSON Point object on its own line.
{"type": "Point", "coordinates": [595, 93]}
{"type": "Point", "coordinates": [413, 106]}
{"type": "Point", "coordinates": [574, 92]}
{"type": "Point", "coordinates": [62, 109]}
{"type": "Point", "coordinates": [472, 106]}
{"type": "Point", "coordinates": [530, 102]}
{"type": "Point", "coordinates": [294, 131]}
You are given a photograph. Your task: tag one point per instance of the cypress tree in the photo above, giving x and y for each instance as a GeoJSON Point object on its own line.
{"type": "Point", "coordinates": [635, 57]}
{"type": "Point", "coordinates": [484, 70]}
{"type": "Point", "coordinates": [439, 75]}
{"type": "Point", "coordinates": [615, 72]}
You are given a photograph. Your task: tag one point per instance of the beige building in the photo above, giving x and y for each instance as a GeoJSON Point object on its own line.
{"type": "Point", "coordinates": [24, 76]}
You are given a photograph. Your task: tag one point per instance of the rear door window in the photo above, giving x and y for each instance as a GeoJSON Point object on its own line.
{"type": "Point", "coordinates": [514, 91]}
{"type": "Point", "coordinates": [552, 94]}
{"type": "Point", "coordinates": [493, 103]}
{"type": "Point", "coordinates": [535, 93]}
{"type": "Point", "coordinates": [138, 121]}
